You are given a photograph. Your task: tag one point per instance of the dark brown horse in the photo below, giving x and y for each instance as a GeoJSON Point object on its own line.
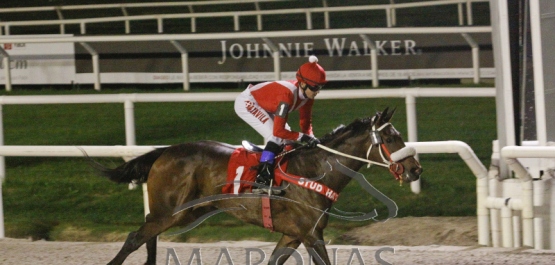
{"type": "Point", "coordinates": [191, 172]}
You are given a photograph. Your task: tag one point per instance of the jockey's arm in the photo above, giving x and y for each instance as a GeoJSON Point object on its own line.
{"type": "Point", "coordinates": [305, 118]}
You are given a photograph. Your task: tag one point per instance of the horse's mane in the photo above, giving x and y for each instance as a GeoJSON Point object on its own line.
{"type": "Point", "coordinates": [358, 125]}
{"type": "Point", "coordinates": [355, 126]}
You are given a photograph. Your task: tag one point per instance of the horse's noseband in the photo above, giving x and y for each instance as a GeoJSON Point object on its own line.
{"type": "Point", "coordinates": [395, 168]}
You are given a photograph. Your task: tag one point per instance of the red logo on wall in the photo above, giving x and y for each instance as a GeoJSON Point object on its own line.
{"type": "Point", "coordinates": [7, 46]}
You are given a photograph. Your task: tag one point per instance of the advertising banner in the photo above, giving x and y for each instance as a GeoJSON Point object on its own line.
{"type": "Point", "coordinates": [39, 63]}
{"type": "Point", "coordinates": [345, 57]}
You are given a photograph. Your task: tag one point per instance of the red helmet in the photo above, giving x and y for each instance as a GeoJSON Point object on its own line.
{"type": "Point", "coordinates": [312, 73]}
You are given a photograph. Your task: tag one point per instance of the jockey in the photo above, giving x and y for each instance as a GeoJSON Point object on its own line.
{"type": "Point", "coordinates": [266, 106]}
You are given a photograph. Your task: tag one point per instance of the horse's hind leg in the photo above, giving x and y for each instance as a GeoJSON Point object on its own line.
{"type": "Point", "coordinates": [284, 249]}
{"type": "Point", "coordinates": [147, 233]}
{"type": "Point", "coordinates": [151, 229]}
{"type": "Point", "coordinates": [151, 250]}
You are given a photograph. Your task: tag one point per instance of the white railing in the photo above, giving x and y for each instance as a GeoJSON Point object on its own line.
{"type": "Point", "coordinates": [389, 9]}
{"type": "Point", "coordinates": [478, 169]}
{"type": "Point", "coordinates": [410, 95]}
{"type": "Point", "coordinates": [529, 204]}
{"type": "Point", "coordinates": [128, 100]}
{"type": "Point", "coordinates": [126, 6]}
{"type": "Point", "coordinates": [174, 39]}
{"type": "Point", "coordinates": [462, 149]}
{"type": "Point", "coordinates": [70, 151]}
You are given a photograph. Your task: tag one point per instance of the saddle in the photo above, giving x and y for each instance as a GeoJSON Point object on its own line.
{"type": "Point", "coordinates": [242, 169]}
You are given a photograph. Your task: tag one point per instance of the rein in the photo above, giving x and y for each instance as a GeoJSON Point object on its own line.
{"type": "Point", "coordinates": [395, 168]}
{"type": "Point", "coordinates": [289, 151]}
{"type": "Point", "coordinates": [350, 156]}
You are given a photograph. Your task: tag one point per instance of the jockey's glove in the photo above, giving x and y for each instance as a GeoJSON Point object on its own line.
{"type": "Point", "coordinates": [310, 141]}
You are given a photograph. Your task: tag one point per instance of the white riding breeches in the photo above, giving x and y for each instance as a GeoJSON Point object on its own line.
{"type": "Point", "coordinates": [260, 120]}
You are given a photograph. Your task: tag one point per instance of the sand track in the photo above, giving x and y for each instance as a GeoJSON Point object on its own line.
{"type": "Point", "coordinates": [423, 240]}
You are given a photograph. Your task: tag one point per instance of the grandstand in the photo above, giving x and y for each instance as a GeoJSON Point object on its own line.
{"type": "Point", "coordinates": [105, 17]}
{"type": "Point", "coordinates": [164, 62]}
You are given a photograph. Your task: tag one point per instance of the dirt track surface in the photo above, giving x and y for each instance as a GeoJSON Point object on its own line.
{"type": "Point", "coordinates": [24, 252]}
{"type": "Point", "coordinates": [422, 240]}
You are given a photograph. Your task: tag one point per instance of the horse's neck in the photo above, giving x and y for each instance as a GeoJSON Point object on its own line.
{"type": "Point", "coordinates": [320, 163]}
{"type": "Point", "coordinates": [338, 179]}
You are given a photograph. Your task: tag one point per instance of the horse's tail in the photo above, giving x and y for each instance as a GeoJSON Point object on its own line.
{"type": "Point", "coordinates": [135, 170]}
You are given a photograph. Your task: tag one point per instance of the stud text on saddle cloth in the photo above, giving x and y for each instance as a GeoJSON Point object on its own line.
{"type": "Point", "coordinates": [242, 170]}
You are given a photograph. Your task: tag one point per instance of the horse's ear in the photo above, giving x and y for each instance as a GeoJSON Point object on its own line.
{"type": "Point", "coordinates": [386, 116]}
{"type": "Point", "coordinates": [376, 119]}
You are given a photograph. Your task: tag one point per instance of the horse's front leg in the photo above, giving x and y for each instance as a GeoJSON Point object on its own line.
{"type": "Point", "coordinates": [316, 247]}
{"type": "Point", "coordinates": [284, 248]}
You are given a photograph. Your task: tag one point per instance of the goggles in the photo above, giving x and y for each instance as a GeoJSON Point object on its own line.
{"type": "Point", "coordinates": [315, 88]}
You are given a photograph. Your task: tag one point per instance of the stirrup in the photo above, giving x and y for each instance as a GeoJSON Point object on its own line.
{"type": "Point", "coordinates": [267, 189]}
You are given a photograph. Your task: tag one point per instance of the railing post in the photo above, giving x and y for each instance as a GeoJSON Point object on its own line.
{"type": "Point", "coordinates": [373, 60]}
{"type": "Point", "coordinates": [393, 17]}
{"type": "Point", "coordinates": [308, 20]}
{"type": "Point", "coordinates": [326, 15]}
{"type": "Point", "coordinates": [184, 64]}
{"type": "Point", "coordinates": [412, 129]}
{"type": "Point", "coordinates": [475, 56]}
{"type": "Point", "coordinates": [236, 26]}
{"type": "Point", "coordinates": [129, 113]}
{"type": "Point", "coordinates": [130, 139]}
{"type": "Point", "coordinates": [61, 17]}
{"type": "Point", "coordinates": [461, 15]}
{"type": "Point", "coordinates": [388, 16]}
{"type": "Point", "coordinates": [2, 175]}
{"type": "Point", "coordinates": [275, 54]}
{"type": "Point", "coordinates": [469, 13]}
{"type": "Point", "coordinates": [96, 64]}
{"type": "Point", "coordinates": [258, 17]}
{"type": "Point", "coordinates": [2, 158]}
{"type": "Point", "coordinates": [83, 28]}
{"type": "Point", "coordinates": [193, 20]}
{"type": "Point", "coordinates": [160, 23]}
{"type": "Point", "coordinates": [2, 235]}
{"type": "Point", "coordinates": [7, 70]}
{"type": "Point", "coordinates": [127, 23]}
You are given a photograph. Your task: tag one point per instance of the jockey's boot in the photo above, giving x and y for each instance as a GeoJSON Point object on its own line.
{"type": "Point", "coordinates": [265, 175]}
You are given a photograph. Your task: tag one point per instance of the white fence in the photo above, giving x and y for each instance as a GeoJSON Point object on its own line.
{"type": "Point", "coordinates": [389, 9]}
{"type": "Point", "coordinates": [523, 209]}
{"type": "Point", "coordinates": [462, 149]}
{"type": "Point", "coordinates": [410, 95]}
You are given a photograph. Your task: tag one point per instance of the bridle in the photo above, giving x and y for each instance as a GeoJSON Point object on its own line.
{"type": "Point", "coordinates": [392, 160]}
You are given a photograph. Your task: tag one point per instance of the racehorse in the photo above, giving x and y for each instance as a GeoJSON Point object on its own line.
{"type": "Point", "coordinates": [180, 174]}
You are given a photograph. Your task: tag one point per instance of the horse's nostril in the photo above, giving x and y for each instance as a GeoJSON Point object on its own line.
{"type": "Point", "coordinates": [417, 171]}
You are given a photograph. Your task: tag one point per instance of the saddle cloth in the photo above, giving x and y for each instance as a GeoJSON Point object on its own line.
{"type": "Point", "coordinates": [242, 169]}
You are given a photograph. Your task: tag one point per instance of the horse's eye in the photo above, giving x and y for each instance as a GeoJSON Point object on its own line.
{"type": "Point", "coordinates": [389, 140]}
